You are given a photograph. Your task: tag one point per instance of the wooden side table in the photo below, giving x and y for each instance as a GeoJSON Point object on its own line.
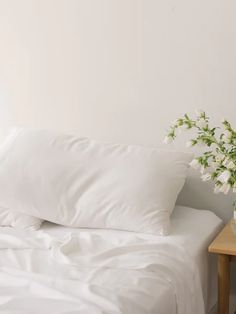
{"type": "Point", "coordinates": [225, 246]}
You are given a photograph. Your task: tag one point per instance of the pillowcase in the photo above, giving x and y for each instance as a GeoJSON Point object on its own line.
{"type": "Point", "coordinates": [80, 182]}
{"type": "Point", "coordinates": [9, 218]}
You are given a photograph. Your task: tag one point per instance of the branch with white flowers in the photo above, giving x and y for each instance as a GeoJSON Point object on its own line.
{"type": "Point", "coordinates": [218, 162]}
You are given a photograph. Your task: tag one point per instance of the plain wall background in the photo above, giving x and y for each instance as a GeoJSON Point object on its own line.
{"type": "Point", "coordinates": [119, 70]}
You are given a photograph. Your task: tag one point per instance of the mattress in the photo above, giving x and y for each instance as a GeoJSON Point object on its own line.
{"type": "Point", "coordinates": [65, 270]}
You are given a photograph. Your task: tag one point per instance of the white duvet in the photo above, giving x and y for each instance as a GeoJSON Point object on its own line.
{"type": "Point", "coordinates": [92, 272]}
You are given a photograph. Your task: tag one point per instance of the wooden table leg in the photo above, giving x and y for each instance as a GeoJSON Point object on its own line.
{"type": "Point", "coordinates": [223, 283]}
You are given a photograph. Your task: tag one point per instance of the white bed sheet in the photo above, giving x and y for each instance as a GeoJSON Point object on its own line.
{"type": "Point", "coordinates": [64, 270]}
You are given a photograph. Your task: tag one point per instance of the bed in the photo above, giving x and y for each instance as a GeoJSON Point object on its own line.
{"type": "Point", "coordinates": [64, 270]}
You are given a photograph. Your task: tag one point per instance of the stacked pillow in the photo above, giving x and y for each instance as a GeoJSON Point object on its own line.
{"type": "Point", "coordinates": [79, 182]}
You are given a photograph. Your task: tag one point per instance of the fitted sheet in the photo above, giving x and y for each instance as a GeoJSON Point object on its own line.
{"type": "Point", "coordinates": [64, 270]}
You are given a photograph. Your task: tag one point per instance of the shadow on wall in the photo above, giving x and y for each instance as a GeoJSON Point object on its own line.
{"type": "Point", "coordinates": [198, 194]}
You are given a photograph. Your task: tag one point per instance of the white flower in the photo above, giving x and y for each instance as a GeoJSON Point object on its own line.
{"type": "Point", "coordinates": [199, 112]}
{"type": "Point", "coordinates": [225, 188]}
{"type": "Point", "coordinates": [226, 140]}
{"type": "Point", "coordinates": [201, 123]}
{"type": "Point", "coordinates": [224, 176]}
{"type": "Point", "coordinates": [206, 177]}
{"type": "Point", "coordinates": [225, 162]}
{"type": "Point", "coordinates": [195, 164]}
{"type": "Point", "coordinates": [219, 158]}
{"type": "Point", "coordinates": [227, 136]}
{"type": "Point", "coordinates": [214, 164]}
{"type": "Point", "coordinates": [168, 140]}
{"type": "Point", "coordinates": [230, 165]}
{"type": "Point", "coordinates": [227, 133]}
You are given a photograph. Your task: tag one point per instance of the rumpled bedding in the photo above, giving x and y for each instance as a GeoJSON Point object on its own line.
{"type": "Point", "coordinates": [90, 273]}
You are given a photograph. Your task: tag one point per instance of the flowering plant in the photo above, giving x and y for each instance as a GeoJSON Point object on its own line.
{"type": "Point", "coordinates": [218, 162]}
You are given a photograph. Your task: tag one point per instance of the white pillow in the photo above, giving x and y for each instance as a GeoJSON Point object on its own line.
{"type": "Point", "coordinates": [9, 218]}
{"type": "Point", "coordinates": [79, 182]}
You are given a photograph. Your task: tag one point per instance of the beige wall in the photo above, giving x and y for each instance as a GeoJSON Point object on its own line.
{"type": "Point", "coordinates": [118, 69]}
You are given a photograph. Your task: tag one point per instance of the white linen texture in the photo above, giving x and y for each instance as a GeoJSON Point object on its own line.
{"type": "Point", "coordinates": [63, 270]}
{"type": "Point", "coordinates": [91, 273]}
{"type": "Point", "coordinates": [79, 182]}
